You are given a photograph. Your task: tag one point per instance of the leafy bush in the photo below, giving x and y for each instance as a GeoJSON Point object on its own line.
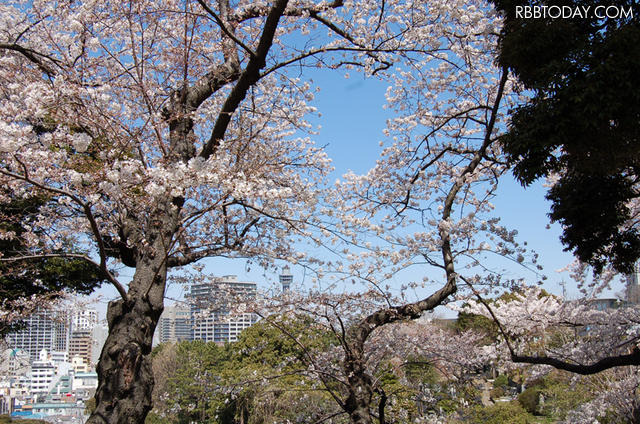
{"type": "Point", "coordinates": [496, 392]}
{"type": "Point", "coordinates": [501, 381]}
{"type": "Point", "coordinates": [500, 413]}
{"type": "Point", "coordinates": [530, 399]}
{"type": "Point", "coordinates": [5, 419]}
{"type": "Point", "coordinates": [560, 396]}
{"type": "Point", "coordinates": [447, 406]}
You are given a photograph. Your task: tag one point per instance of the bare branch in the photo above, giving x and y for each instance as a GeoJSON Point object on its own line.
{"type": "Point", "coordinates": [249, 77]}
{"type": "Point", "coordinates": [223, 26]}
{"type": "Point", "coordinates": [33, 56]}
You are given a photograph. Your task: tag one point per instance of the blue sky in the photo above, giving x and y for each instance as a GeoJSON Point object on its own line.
{"type": "Point", "coordinates": [352, 122]}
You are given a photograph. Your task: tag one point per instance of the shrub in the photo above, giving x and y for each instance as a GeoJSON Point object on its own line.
{"type": "Point", "coordinates": [501, 381]}
{"type": "Point", "coordinates": [500, 413]}
{"type": "Point", "coordinates": [496, 392]}
{"type": "Point", "coordinates": [530, 399]}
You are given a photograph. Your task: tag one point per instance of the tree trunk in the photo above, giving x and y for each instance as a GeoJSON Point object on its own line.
{"type": "Point", "coordinates": [125, 377]}
{"type": "Point", "coordinates": [358, 403]}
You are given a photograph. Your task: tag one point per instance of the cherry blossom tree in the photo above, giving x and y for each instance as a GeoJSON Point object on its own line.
{"type": "Point", "coordinates": [616, 398]}
{"type": "Point", "coordinates": [169, 132]}
{"type": "Point", "coordinates": [575, 336]}
{"type": "Point", "coordinates": [425, 205]}
{"type": "Point", "coordinates": [384, 357]}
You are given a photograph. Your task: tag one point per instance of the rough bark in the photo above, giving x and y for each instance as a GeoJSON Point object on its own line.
{"type": "Point", "coordinates": [360, 389]}
{"type": "Point", "coordinates": [125, 377]}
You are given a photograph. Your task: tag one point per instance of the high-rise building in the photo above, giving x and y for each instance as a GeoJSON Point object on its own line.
{"type": "Point", "coordinates": [286, 279]}
{"type": "Point", "coordinates": [175, 324]}
{"type": "Point", "coordinates": [214, 309]}
{"type": "Point", "coordinates": [632, 290]}
{"type": "Point", "coordinates": [83, 319]}
{"type": "Point", "coordinates": [80, 345]}
{"type": "Point", "coordinates": [44, 329]}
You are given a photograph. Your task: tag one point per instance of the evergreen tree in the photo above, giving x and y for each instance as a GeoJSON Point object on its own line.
{"type": "Point", "coordinates": [581, 123]}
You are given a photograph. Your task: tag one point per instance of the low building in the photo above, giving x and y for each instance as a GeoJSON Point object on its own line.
{"type": "Point", "coordinates": [43, 372]}
{"type": "Point", "coordinates": [84, 381]}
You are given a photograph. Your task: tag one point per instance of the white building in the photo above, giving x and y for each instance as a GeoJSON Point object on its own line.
{"type": "Point", "coordinates": [214, 309]}
{"type": "Point", "coordinates": [83, 319]}
{"type": "Point", "coordinates": [43, 372]}
{"type": "Point", "coordinates": [59, 357]}
{"type": "Point", "coordinates": [84, 381]}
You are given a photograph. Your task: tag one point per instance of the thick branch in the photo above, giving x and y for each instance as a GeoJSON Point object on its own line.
{"type": "Point", "coordinates": [248, 78]}
{"type": "Point", "coordinates": [405, 312]}
{"type": "Point", "coordinates": [212, 82]}
{"type": "Point", "coordinates": [631, 359]}
{"type": "Point", "coordinates": [32, 56]}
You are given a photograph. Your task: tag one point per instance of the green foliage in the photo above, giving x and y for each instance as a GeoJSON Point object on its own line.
{"type": "Point", "coordinates": [581, 123]}
{"type": "Point", "coordinates": [500, 413]}
{"type": "Point", "coordinates": [447, 405]}
{"type": "Point", "coordinates": [265, 344]}
{"type": "Point", "coordinates": [479, 323]}
{"type": "Point", "coordinates": [193, 384]}
{"type": "Point", "coordinates": [254, 380]}
{"type": "Point", "coordinates": [5, 419]}
{"type": "Point", "coordinates": [530, 399]}
{"type": "Point", "coordinates": [38, 276]}
{"type": "Point", "coordinates": [401, 396]}
{"type": "Point", "coordinates": [153, 418]}
{"type": "Point", "coordinates": [418, 372]}
{"type": "Point", "coordinates": [560, 397]}
{"type": "Point", "coordinates": [553, 396]}
{"type": "Point", "coordinates": [497, 392]}
{"type": "Point", "coordinates": [501, 381]}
